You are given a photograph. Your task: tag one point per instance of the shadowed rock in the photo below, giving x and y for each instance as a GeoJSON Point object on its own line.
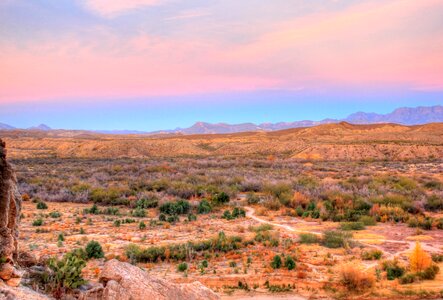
{"type": "Point", "coordinates": [10, 206]}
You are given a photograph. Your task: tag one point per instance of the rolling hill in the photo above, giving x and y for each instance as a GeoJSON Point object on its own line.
{"type": "Point", "coordinates": [339, 141]}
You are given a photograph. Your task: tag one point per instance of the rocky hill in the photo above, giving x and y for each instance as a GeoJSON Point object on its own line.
{"type": "Point", "coordinates": [342, 141]}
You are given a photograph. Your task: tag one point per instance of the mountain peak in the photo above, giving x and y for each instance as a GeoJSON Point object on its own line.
{"type": "Point", "coordinates": [42, 127]}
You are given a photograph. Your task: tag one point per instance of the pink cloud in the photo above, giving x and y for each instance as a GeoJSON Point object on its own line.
{"type": "Point", "coordinates": [153, 68]}
{"type": "Point", "coordinates": [366, 44]}
{"type": "Point", "coordinates": [112, 8]}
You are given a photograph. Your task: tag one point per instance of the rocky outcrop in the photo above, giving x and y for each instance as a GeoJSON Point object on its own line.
{"type": "Point", "coordinates": [10, 206]}
{"type": "Point", "coordinates": [124, 281]}
{"type": "Point", "coordinates": [19, 293]}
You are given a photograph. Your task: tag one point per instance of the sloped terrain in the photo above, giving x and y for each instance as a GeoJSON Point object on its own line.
{"type": "Point", "coordinates": [341, 141]}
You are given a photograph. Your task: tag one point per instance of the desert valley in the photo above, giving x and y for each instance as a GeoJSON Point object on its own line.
{"type": "Point", "coordinates": [334, 211]}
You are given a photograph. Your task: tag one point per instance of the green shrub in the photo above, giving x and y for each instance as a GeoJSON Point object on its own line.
{"type": "Point", "coordinates": [221, 198]}
{"type": "Point", "coordinates": [289, 263]}
{"type": "Point", "coordinates": [352, 226]}
{"type": "Point", "coordinates": [393, 269]}
{"type": "Point", "coordinates": [61, 237]}
{"type": "Point", "coordinates": [93, 210]}
{"type": "Point", "coordinates": [162, 217]}
{"type": "Point", "coordinates": [308, 238]}
{"type": "Point", "coordinates": [276, 262]}
{"type": "Point", "coordinates": [139, 213]}
{"type": "Point", "coordinates": [408, 278]}
{"type": "Point", "coordinates": [238, 212]}
{"type": "Point", "coordinates": [110, 196]}
{"type": "Point", "coordinates": [299, 210]}
{"type": "Point", "coordinates": [37, 222]}
{"type": "Point", "coordinates": [142, 225]}
{"type": "Point", "coordinates": [204, 207]}
{"type": "Point", "coordinates": [336, 239]}
{"type": "Point", "coordinates": [437, 258]}
{"type": "Point", "coordinates": [204, 263]}
{"type": "Point", "coordinates": [42, 205]}
{"type": "Point", "coordinates": [368, 220]}
{"type": "Point", "coordinates": [94, 250]}
{"type": "Point", "coordinates": [146, 203]}
{"type": "Point", "coordinates": [66, 274]}
{"type": "Point", "coordinates": [117, 223]}
{"type": "Point", "coordinates": [172, 219]}
{"type": "Point", "coordinates": [55, 214]}
{"type": "Point", "coordinates": [192, 217]}
{"type": "Point", "coordinates": [429, 273]}
{"type": "Point", "coordinates": [434, 203]}
{"type": "Point", "coordinates": [275, 288]}
{"type": "Point", "coordinates": [180, 252]}
{"type": "Point", "coordinates": [232, 264]}
{"type": "Point", "coordinates": [80, 253]}
{"type": "Point", "coordinates": [182, 267]}
{"type": "Point", "coordinates": [113, 211]}
{"type": "Point", "coordinates": [374, 254]}
{"type": "Point", "coordinates": [180, 207]}
{"type": "Point", "coordinates": [227, 215]}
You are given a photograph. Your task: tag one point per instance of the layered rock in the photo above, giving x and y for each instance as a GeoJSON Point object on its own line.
{"type": "Point", "coordinates": [124, 281]}
{"type": "Point", "coordinates": [10, 206]}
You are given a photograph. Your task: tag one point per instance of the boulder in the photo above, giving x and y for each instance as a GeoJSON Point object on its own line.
{"type": "Point", "coordinates": [124, 281]}
{"type": "Point", "coordinates": [26, 259]}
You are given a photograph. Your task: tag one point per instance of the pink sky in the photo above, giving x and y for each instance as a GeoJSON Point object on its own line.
{"type": "Point", "coordinates": [371, 44]}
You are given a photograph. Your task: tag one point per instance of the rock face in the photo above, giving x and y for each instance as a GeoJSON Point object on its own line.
{"type": "Point", "coordinates": [10, 206]}
{"type": "Point", "coordinates": [124, 281]}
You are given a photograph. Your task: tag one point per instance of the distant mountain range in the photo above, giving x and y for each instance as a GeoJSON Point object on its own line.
{"type": "Point", "coordinates": [403, 115]}
{"type": "Point", "coordinates": [41, 127]}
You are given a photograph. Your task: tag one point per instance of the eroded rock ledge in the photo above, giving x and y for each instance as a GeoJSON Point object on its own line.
{"type": "Point", "coordinates": [10, 206]}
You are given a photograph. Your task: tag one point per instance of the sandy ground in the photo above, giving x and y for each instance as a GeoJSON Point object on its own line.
{"type": "Point", "coordinates": [263, 297]}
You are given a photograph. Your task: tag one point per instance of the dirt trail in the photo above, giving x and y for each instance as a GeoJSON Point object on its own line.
{"type": "Point", "coordinates": [250, 213]}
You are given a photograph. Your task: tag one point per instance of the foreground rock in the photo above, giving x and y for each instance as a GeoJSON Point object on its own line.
{"type": "Point", "coordinates": [19, 293]}
{"type": "Point", "coordinates": [10, 205]}
{"type": "Point", "coordinates": [124, 281]}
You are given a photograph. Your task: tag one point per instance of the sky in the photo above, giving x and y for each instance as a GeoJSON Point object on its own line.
{"type": "Point", "coordinates": [162, 64]}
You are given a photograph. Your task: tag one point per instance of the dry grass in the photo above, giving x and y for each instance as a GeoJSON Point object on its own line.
{"type": "Point", "coordinates": [355, 279]}
{"type": "Point", "coordinates": [420, 238]}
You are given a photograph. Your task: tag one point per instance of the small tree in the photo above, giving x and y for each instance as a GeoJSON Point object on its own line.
{"type": "Point", "coordinates": [142, 225]}
{"type": "Point", "coordinates": [42, 205]}
{"type": "Point", "coordinates": [94, 250]}
{"type": "Point", "coordinates": [182, 267]}
{"type": "Point", "coordinates": [276, 262]}
{"type": "Point", "coordinates": [419, 259]}
{"type": "Point", "coordinates": [221, 198]}
{"type": "Point", "coordinates": [289, 263]}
